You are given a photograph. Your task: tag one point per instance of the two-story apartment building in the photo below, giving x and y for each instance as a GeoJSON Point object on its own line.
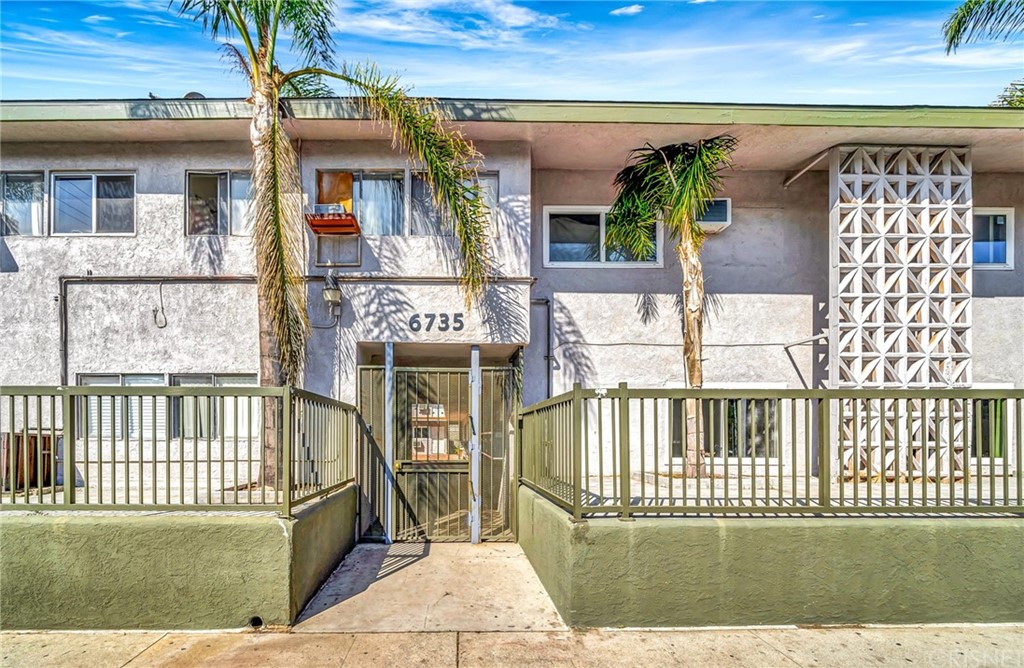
{"type": "Point", "coordinates": [851, 247]}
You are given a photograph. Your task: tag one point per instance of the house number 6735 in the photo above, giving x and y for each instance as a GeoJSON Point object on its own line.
{"type": "Point", "coordinates": [440, 321]}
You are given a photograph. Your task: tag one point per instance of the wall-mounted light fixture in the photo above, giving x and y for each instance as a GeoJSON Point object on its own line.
{"type": "Point", "coordinates": [332, 294]}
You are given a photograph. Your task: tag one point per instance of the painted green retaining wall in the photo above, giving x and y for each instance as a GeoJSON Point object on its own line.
{"type": "Point", "coordinates": [167, 571]}
{"type": "Point", "coordinates": [740, 571]}
{"type": "Point", "coordinates": [321, 536]}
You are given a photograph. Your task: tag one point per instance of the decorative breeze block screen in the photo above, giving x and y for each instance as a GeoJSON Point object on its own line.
{"type": "Point", "coordinates": [901, 290]}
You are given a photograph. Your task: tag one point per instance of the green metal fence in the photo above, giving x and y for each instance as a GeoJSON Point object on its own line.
{"type": "Point", "coordinates": [184, 448]}
{"type": "Point", "coordinates": [624, 452]}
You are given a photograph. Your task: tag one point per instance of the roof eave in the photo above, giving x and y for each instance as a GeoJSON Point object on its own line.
{"type": "Point", "coordinates": [530, 111]}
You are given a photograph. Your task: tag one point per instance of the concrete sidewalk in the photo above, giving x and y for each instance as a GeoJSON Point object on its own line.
{"type": "Point", "coordinates": [936, 646]}
{"type": "Point", "coordinates": [412, 587]}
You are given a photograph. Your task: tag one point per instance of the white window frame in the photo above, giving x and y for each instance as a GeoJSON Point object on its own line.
{"type": "Point", "coordinates": [995, 211]}
{"type": "Point", "coordinates": [658, 263]}
{"type": "Point", "coordinates": [216, 420]}
{"type": "Point", "coordinates": [494, 227]}
{"type": "Point", "coordinates": [215, 172]}
{"type": "Point", "coordinates": [408, 173]}
{"type": "Point", "coordinates": [53, 204]}
{"type": "Point", "coordinates": [129, 413]}
{"type": "Point", "coordinates": [42, 200]}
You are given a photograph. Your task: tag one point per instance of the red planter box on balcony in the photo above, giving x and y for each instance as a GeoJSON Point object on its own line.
{"type": "Point", "coordinates": [332, 223]}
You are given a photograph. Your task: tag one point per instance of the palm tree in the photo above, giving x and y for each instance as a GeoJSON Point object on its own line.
{"type": "Point", "coordinates": [673, 184]}
{"type": "Point", "coordinates": [988, 19]}
{"type": "Point", "coordinates": [417, 125]}
{"type": "Point", "coordinates": [1012, 95]}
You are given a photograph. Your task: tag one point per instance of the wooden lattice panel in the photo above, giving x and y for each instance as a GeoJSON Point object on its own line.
{"type": "Point", "coordinates": [901, 286]}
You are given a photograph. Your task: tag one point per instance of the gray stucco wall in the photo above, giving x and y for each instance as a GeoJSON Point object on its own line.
{"type": "Point", "coordinates": [213, 328]}
{"type": "Point", "coordinates": [998, 305]}
{"type": "Point", "coordinates": [766, 277]}
{"type": "Point", "coordinates": [111, 328]}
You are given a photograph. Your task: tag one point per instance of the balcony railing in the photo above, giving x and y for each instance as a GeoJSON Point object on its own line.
{"type": "Point", "coordinates": [625, 452]}
{"type": "Point", "coordinates": [181, 448]}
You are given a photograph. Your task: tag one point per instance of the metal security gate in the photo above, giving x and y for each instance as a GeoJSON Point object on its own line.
{"type": "Point", "coordinates": [431, 481]}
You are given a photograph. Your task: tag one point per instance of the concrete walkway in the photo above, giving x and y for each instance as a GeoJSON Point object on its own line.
{"type": "Point", "coordinates": [937, 647]}
{"type": "Point", "coordinates": [408, 587]}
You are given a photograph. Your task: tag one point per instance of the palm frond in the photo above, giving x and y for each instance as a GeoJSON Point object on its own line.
{"type": "Point", "coordinates": [988, 19]}
{"type": "Point", "coordinates": [449, 161]}
{"type": "Point", "coordinates": [278, 238]}
{"type": "Point", "coordinates": [224, 18]}
{"type": "Point", "coordinates": [698, 179]}
{"type": "Point", "coordinates": [237, 59]}
{"type": "Point", "coordinates": [1012, 95]}
{"type": "Point", "coordinates": [307, 85]}
{"type": "Point", "coordinates": [674, 184]}
{"type": "Point", "coordinates": [310, 22]}
{"type": "Point", "coordinates": [212, 14]}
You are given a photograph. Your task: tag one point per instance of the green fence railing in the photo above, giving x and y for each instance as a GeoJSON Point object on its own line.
{"type": "Point", "coordinates": [184, 448]}
{"type": "Point", "coordinates": [625, 452]}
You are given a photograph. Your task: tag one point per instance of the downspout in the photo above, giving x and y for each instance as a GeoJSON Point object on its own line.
{"type": "Point", "coordinates": [548, 356]}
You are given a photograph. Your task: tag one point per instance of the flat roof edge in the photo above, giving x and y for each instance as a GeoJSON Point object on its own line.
{"type": "Point", "coordinates": [529, 111]}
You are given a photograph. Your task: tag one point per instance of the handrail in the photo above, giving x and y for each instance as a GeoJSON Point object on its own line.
{"type": "Point", "coordinates": [327, 401]}
{"type": "Point", "coordinates": [142, 390]}
{"type": "Point", "coordinates": [625, 451]}
{"type": "Point", "coordinates": [558, 399]}
{"type": "Point", "coordinates": [183, 447]}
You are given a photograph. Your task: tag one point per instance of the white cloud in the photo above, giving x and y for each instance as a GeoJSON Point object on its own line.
{"type": "Point", "coordinates": [93, 64]}
{"type": "Point", "coordinates": [96, 18]}
{"type": "Point", "coordinates": [158, 20]}
{"type": "Point", "coordinates": [699, 2]}
{"type": "Point", "coordinates": [506, 48]}
{"type": "Point", "coordinates": [629, 10]}
{"type": "Point", "coordinates": [514, 16]}
{"type": "Point", "coordinates": [818, 17]}
{"type": "Point", "coordinates": [484, 24]}
{"type": "Point", "coordinates": [991, 58]}
{"type": "Point", "coordinates": [820, 53]}
{"type": "Point", "coordinates": [136, 4]}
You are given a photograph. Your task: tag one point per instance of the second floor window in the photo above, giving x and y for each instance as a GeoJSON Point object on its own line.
{"type": "Point", "coordinates": [425, 219]}
{"type": "Point", "coordinates": [574, 236]}
{"type": "Point", "coordinates": [94, 204]}
{"type": "Point", "coordinates": [392, 202]}
{"type": "Point", "coordinates": [376, 198]}
{"type": "Point", "coordinates": [218, 203]}
{"type": "Point", "coordinates": [993, 238]}
{"type": "Point", "coordinates": [380, 202]}
{"type": "Point", "coordinates": [22, 197]}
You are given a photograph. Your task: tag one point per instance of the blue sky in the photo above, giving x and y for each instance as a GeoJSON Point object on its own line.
{"type": "Point", "coordinates": [825, 52]}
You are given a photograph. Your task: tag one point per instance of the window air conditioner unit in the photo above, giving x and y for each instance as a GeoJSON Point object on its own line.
{"type": "Point", "coordinates": [717, 217]}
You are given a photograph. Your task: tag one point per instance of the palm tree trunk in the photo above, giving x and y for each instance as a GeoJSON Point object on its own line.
{"type": "Point", "coordinates": [271, 373]}
{"type": "Point", "coordinates": [693, 322]}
